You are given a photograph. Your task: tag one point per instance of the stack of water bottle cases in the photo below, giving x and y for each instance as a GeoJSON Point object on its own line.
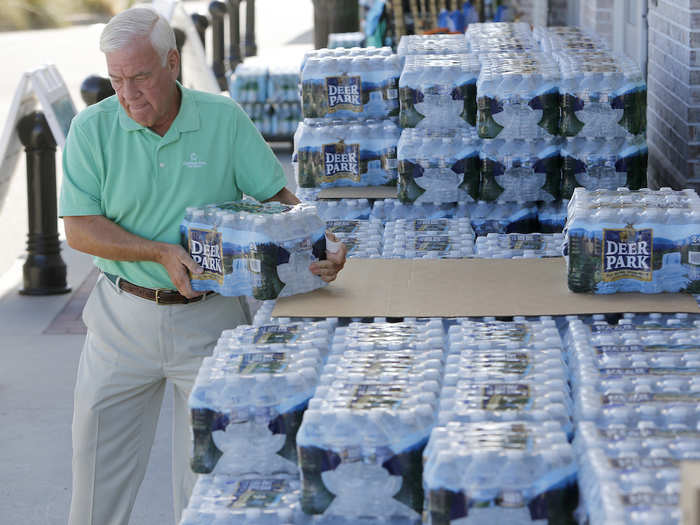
{"type": "Point", "coordinates": [497, 126]}
{"type": "Point", "coordinates": [439, 421]}
{"type": "Point", "coordinates": [269, 95]}
{"type": "Point", "coordinates": [459, 421]}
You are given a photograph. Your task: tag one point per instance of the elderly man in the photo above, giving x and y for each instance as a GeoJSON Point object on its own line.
{"type": "Point", "coordinates": [128, 177]}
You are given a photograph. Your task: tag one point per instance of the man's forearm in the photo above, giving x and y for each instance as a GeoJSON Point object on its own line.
{"type": "Point", "coordinates": [97, 235]}
{"type": "Point", "coordinates": [285, 197]}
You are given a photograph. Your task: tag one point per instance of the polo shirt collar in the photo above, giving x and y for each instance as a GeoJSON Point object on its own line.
{"type": "Point", "coordinates": [187, 118]}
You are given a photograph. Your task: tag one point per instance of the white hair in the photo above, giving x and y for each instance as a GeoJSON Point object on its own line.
{"type": "Point", "coordinates": [138, 22]}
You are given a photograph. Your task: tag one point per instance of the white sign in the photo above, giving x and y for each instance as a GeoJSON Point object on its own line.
{"type": "Point", "coordinates": [196, 72]}
{"type": "Point", "coordinates": [45, 87]}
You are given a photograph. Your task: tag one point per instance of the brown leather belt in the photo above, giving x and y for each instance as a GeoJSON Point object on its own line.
{"type": "Point", "coordinates": [157, 295]}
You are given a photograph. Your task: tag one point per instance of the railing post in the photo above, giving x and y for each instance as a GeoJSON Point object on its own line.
{"type": "Point", "coordinates": [234, 29]}
{"type": "Point", "coordinates": [95, 88]}
{"type": "Point", "coordinates": [201, 23]}
{"type": "Point", "coordinates": [251, 48]}
{"type": "Point", "coordinates": [217, 10]}
{"type": "Point", "coordinates": [44, 272]}
{"type": "Point", "coordinates": [180, 38]}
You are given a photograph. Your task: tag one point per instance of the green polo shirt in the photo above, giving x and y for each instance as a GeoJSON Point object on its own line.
{"type": "Point", "coordinates": [113, 166]}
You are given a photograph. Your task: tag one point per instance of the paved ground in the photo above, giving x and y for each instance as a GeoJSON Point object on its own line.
{"type": "Point", "coordinates": [42, 336]}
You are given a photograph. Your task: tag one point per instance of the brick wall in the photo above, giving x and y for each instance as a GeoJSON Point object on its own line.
{"type": "Point", "coordinates": [597, 15]}
{"type": "Point", "coordinates": [674, 93]}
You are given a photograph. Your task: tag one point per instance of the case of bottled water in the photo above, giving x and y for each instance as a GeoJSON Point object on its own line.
{"type": "Point", "coordinates": [303, 334]}
{"type": "Point", "coordinates": [283, 82]}
{"type": "Point", "coordinates": [603, 95]}
{"type": "Point", "coordinates": [505, 364]}
{"type": "Point", "coordinates": [438, 166]}
{"type": "Point", "coordinates": [553, 39]}
{"type": "Point", "coordinates": [501, 401]}
{"type": "Point", "coordinates": [363, 435]}
{"type": "Point", "coordinates": [512, 473]}
{"type": "Point", "coordinates": [520, 170]}
{"type": "Point", "coordinates": [428, 239]}
{"type": "Point", "coordinates": [247, 404]}
{"type": "Point", "coordinates": [244, 500]}
{"type": "Point", "coordinates": [263, 316]}
{"type": "Point", "coordinates": [519, 245]}
{"type": "Point", "coordinates": [633, 241]}
{"type": "Point", "coordinates": [503, 217]}
{"type": "Point", "coordinates": [274, 119]}
{"type": "Point", "coordinates": [354, 39]}
{"type": "Point", "coordinates": [551, 216]}
{"type": "Point", "coordinates": [518, 96]}
{"type": "Point", "coordinates": [248, 83]}
{"type": "Point", "coordinates": [344, 52]}
{"type": "Point", "coordinates": [362, 238]}
{"type": "Point", "coordinates": [392, 210]}
{"type": "Point", "coordinates": [438, 91]}
{"type": "Point", "coordinates": [493, 375]}
{"type": "Point", "coordinates": [350, 84]}
{"type": "Point", "coordinates": [500, 37]}
{"type": "Point", "coordinates": [631, 475]}
{"type": "Point", "coordinates": [531, 334]}
{"type": "Point", "coordinates": [334, 153]}
{"type": "Point", "coordinates": [256, 249]}
{"type": "Point", "coordinates": [432, 45]}
{"type": "Point", "coordinates": [627, 373]}
{"type": "Point", "coordinates": [603, 163]}
{"type": "Point", "coordinates": [344, 209]}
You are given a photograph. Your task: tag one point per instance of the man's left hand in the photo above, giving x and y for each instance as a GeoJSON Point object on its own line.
{"type": "Point", "coordinates": [328, 269]}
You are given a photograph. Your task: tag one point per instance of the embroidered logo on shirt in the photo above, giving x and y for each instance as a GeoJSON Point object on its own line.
{"type": "Point", "coordinates": [194, 162]}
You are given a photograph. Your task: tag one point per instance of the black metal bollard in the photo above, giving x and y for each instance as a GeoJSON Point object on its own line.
{"type": "Point", "coordinates": [95, 88]}
{"type": "Point", "coordinates": [234, 34]}
{"type": "Point", "coordinates": [251, 48]}
{"type": "Point", "coordinates": [180, 38]}
{"type": "Point", "coordinates": [44, 271]}
{"type": "Point", "coordinates": [218, 11]}
{"type": "Point", "coordinates": [201, 23]}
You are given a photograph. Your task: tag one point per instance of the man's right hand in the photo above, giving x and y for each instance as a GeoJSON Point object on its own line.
{"type": "Point", "coordinates": [179, 265]}
{"type": "Point", "coordinates": [97, 235]}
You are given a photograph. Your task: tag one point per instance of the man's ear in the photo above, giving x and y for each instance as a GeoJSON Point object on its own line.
{"type": "Point", "coordinates": [173, 62]}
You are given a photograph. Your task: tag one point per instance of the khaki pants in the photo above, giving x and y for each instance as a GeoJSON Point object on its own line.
{"type": "Point", "coordinates": [133, 347]}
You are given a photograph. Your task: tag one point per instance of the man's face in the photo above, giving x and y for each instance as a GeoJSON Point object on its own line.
{"type": "Point", "coordinates": [146, 89]}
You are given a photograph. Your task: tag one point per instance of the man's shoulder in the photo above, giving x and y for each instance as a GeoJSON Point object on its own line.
{"type": "Point", "coordinates": [105, 110]}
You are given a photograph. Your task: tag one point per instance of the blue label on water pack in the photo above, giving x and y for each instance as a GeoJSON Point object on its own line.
{"type": "Point", "coordinates": [263, 363]}
{"type": "Point", "coordinates": [506, 396]}
{"type": "Point", "coordinates": [341, 161]}
{"type": "Point", "coordinates": [277, 334]}
{"type": "Point", "coordinates": [344, 92]}
{"type": "Point", "coordinates": [627, 253]}
{"type": "Point", "coordinates": [206, 248]}
{"type": "Point", "coordinates": [260, 493]}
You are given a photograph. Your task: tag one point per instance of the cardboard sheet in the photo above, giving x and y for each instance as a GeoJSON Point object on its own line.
{"type": "Point", "coordinates": [466, 287]}
{"type": "Point", "coordinates": [690, 492]}
{"type": "Point", "coordinates": [369, 192]}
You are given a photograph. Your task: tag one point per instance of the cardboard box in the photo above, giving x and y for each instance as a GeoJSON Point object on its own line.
{"type": "Point", "coordinates": [367, 192]}
{"type": "Point", "coordinates": [690, 492]}
{"type": "Point", "coordinates": [464, 287]}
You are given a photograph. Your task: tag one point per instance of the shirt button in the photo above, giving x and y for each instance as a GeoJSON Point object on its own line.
{"type": "Point", "coordinates": [162, 164]}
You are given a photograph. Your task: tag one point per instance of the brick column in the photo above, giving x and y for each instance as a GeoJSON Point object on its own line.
{"type": "Point", "coordinates": [674, 93]}
{"type": "Point", "coordinates": [597, 15]}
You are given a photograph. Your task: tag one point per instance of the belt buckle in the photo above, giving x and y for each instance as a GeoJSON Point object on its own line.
{"type": "Point", "coordinates": [158, 290]}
